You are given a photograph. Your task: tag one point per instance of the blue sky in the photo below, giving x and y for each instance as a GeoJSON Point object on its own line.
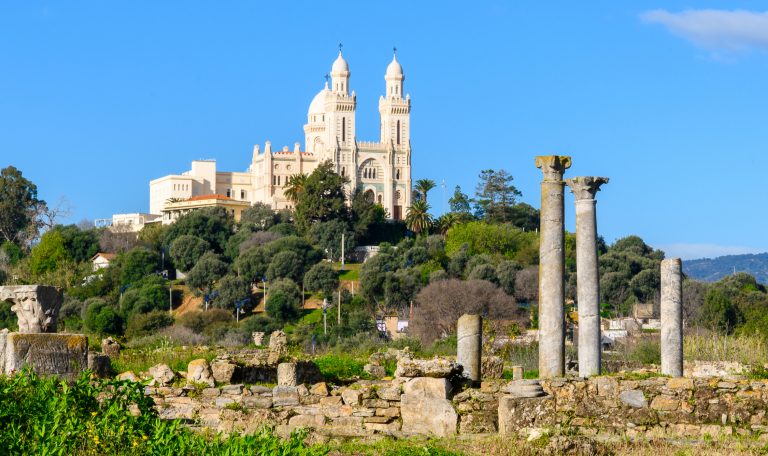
{"type": "Point", "coordinates": [666, 98]}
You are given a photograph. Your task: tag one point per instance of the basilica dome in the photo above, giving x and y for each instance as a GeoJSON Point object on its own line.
{"type": "Point", "coordinates": [339, 65]}
{"type": "Point", "coordinates": [318, 103]}
{"type": "Point", "coordinates": [394, 68]}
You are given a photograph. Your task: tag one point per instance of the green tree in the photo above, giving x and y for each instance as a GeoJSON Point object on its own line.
{"type": "Point", "coordinates": [366, 216]}
{"type": "Point", "coordinates": [495, 195]}
{"type": "Point", "coordinates": [506, 272]}
{"type": "Point", "coordinates": [284, 301]}
{"type": "Point", "coordinates": [81, 245]}
{"type": "Point", "coordinates": [460, 202]}
{"type": "Point", "coordinates": [484, 272]}
{"type": "Point", "coordinates": [49, 254]}
{"type": "Point", "coordinates": [286, 264]}
{"type": "Point", "coordinates": [323, 198]}
{"type": "Point", "coordinates": [212, 224]}
{"type": "Point", "coordinates": [482, 237]}
{"type": "Point", "coordinates": [260, 216]}
{"type": "Point", "coordinates": [327, 236]}
{"type": "Point", "coordinates": [295, 188]}
{"type": "Point", "coordinates": [18, 206]}
{"type": "Point", "coordinates": [321, 277]}
{"type": "Point", "coordinates": [146, 295]}
{"type": "Point", "coordinates": [718, 312]}
{"type": "Point", "coordinates": [206, 272]}
{"type": "Point", "coordinates": [418, 218]}
{"type": "Point", "coordinates": [252, 264]}
{"type": "Point", "coordinates": [232, 289]}
{"type": "Point", "coordinates": [524, 216]}
{"type": "Point", "coordinates": [186, 250]}
{"type": "Point", "coordinates": [423, 186]}
{"type": "Point", "coordinates": [138, 263]}
{"type": "Point", "coordinates": [102, 318]}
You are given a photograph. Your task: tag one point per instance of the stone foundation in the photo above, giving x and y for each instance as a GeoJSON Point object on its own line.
{"type": "Point", "coordinates": [654, 407]}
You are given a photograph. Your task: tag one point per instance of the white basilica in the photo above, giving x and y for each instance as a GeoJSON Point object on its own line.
{"type": "Point", "coordinates": [381, 169]}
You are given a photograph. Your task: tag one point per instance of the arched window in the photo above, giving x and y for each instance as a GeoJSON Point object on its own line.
{"type": "Point", "coordinates": [374, 173]}
{"type": "Point", "coordinates": [342, 172]}
{"type": "Point", "coordinates": [369, 195]}
{"type": "Point", "coordinates": [398, 132]}
{"type": "Point", "coordinates": [343, 129]}
{"type": "Point", "coordinates": [397, 174]}
{"type": "Point", "coordinates": [380, 199]}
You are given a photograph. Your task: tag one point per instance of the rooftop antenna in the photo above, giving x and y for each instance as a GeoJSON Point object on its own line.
{"type": "Point", "coordinates": [394, 50]}
{"type": "Point", "coordinates": [340, 46]}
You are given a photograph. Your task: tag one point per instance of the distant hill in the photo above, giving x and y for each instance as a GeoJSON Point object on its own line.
{"type": "Point", "coordinates": [714, 269]}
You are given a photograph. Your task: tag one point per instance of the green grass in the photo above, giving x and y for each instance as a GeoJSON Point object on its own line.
{"type": "Point", "coordinates": [404, 447]}
{"type": "Point", "coordinates": [51, 417]}
{"type": "Point", "coordinates": [140, 360]}
{"type": "Point", "coordinates": [340, 368]}
{"type": "Point", "coordinates": [351, 271]}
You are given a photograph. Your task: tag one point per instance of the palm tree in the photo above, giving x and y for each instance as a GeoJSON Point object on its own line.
{"type": "Point", "coordinates": [295, 187]}
{"type": "Point", "coordinates": [418, 218]}
{"type": "Point", "coordinates": [446, 221]}
{"type": "Point", "coordinates": [423, 186]}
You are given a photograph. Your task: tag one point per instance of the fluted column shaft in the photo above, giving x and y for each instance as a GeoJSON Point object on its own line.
{"type": "Point", "coordinates": [552, 267]}
{"type": "Point", "coordinates": [587, 273]}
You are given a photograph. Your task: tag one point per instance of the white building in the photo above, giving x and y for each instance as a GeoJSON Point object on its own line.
{"type": "Point", "coordinates": [381, 169]}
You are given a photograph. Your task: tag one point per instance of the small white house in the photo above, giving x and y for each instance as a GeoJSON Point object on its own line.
{"type": "Point", "coordinates": [101, 260]}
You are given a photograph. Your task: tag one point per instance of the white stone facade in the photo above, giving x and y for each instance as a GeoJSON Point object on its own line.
{"type": "Point", "coordinates": [381, 169]}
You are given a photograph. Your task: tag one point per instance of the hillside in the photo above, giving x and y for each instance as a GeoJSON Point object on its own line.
{"type": "Point", "coordinates": [713, 269]}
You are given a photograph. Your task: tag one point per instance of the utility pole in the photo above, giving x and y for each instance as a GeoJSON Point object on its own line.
{"type": "Point", "coordinates": [170, 297]}
{"type": "Point", "coordinates": [325, 312]}
{"type": "Point", "coordinates": [338, 310]}
{"type": "Point", "coordinates": [342, 251]}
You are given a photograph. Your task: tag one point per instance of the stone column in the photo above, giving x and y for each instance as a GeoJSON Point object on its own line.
{"type": "Point", "coordinates": [672, 317]}
{"type": "Point", "coordinates": [587, 273]}
{"type": "Point", "coordinates": [469, 345]}
{"type": "Point", "coordinates": [552, 267]}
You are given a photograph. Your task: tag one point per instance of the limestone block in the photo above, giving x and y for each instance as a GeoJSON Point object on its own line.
{"type": "Point", "coordinates": [278, 343]}
{"type": "Point", "coordinates": [199, 371]}
{"type": "Point", "coordinates": [331, 401]}
{"type": "Point", "coordinates": [99, 364]}
{"type": "Point", "coordinates": [665, 403]}
{"type": "Point", "coordinates": [517, 373]}
{"type": "Point", "coordinates": [435, 368]}
{"type": "Point", "coordinates": [110, 347]}
{"type": "Point", "coordinates": [285, 396]}
{"type": "Point", "coordinates": [319, 389]}
{"type": "Point", "coordinates": [223, 371]}
{"type": "Point", "coordinates": [492, 367]}
{"type": "Point", "coordinates": [161, 374]}
{"type": "Point", "coordinates": [679, 383]}
{"type": "Point", "coordinates": [64, 355]}
{"type": "Point", "coordinates": [428, 415]}
{"type": "Point", "coordinates": [307, 421]}
{"type": "Point", "coordinates": [211, 392]}
{"type": "Point", "coordinates": [258, 338]}
{"type": "Point", "coordinates": [519, 413]}
{"type": "Point", "coordinates": [375, 371]}
{"type": "Point", "coordinates": [36, 306]}
{"type": "Point", "coordinates": [351, 396]}
{"type": "Point", "coordinates": [428, 387]}
{"type": "Point", "coordinates": [128, 376]}
{"type": "Point", "coordinates": [259, 402]}
{"type": "Point", "coordinates": [286, 374]}
{"type": "Point", "coordinates": [633, 398]}
{"type": "Point", "coordinates": [391, 393]}
{"type": "Point", "coordinates": [232, 389]}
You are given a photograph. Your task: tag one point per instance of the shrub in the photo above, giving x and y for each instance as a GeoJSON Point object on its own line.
{"type": "Point", "coordinates": [47, 416]}
{"type": "Point", "coordinates": [143, 324]}
{"type": "Point", "coordinates": [102, 318]}
{"type": "Point", "coordinates": [197, 321]}
{"type": "Point", "coordinates": [321, 277]}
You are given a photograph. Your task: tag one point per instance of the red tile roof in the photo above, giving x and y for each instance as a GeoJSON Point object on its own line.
{"type": "Point", "coordinates": [215, 196]}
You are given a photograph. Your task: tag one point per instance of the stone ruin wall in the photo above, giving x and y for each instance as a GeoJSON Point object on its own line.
{"type": "Point", "coordinates": [403, 406]}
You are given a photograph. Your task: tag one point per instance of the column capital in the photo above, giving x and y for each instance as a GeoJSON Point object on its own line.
{"type": "Point", "coordinates": [553, 166]}
{"type": "Point", "coordinates": [585, 187]}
